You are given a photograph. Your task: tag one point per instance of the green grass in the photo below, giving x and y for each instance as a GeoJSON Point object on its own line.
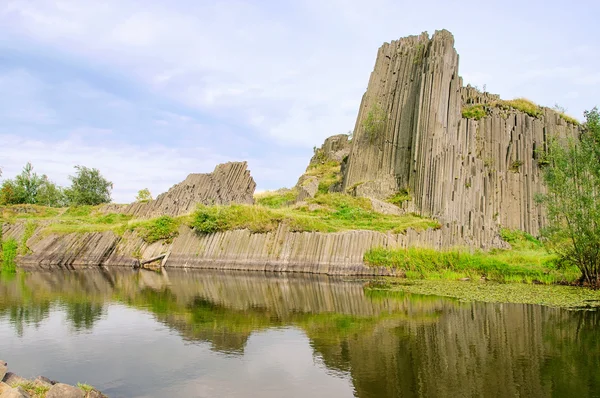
{"type": "Point", "coordinates": [325, 213]}
{"type": "Point", "coordinates": [569, 119]}
{"type": "Point", "coordinates": [476, 112]}
{"type": "Point", "coordinates": [162, 228]}
{"type": "Point", "coordinates": [399, 198]}
{"type": "Point", "coordinates": [276, 199]}
{"type": "Point", "coordinates": [8, 254]}
{"type": "Point", "coordinates": [10, 213]}
{"type": "Point", "coordinates": [87, 219]}
{"type": "Point", "coordinates": [33, 389]}
{"type": "Point", "coordinates": [328, 173]}
{"type": "Point", "coordinates": [521, 104]}
{"type": "Point", "coordinates": [85, 387]}
{"type": "Point", "coordinates": [30, 228]}
{"type": "Point", "coordinates": [526, 263]}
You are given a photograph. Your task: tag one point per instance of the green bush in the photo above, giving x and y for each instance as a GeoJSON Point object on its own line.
{"type": "Point", "coordinates": [210, 219]}
{"type": "Point", "coordinates": [399, 198]}
{"type": "Point", "coordinates": [9, 254]}
{"type": "Point", "coordinates": [161, 228]}
{"type": "Point", "coordinates": [374, 123]}
{"type": "Point", "coordinates": [476, 112]}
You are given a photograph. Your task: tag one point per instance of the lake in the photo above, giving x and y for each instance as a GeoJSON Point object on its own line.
{"type": "Point", "coordinates": [211, 334]}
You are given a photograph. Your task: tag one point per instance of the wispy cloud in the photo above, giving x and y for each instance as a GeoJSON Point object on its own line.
{"type": "Point", "coordinates": [263, 81]}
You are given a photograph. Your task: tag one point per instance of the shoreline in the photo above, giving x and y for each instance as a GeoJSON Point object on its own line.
{"type": "Point", "coordinates": [15, 386]}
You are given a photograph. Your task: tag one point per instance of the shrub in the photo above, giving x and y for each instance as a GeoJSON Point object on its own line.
{"type": "Point", "coordinates": [161, 228]}
{"type": "Point", "coordinates": [399, 198]}
{"type": "Point", "coordinates": [374, 123]}
{"type": "Point", "coordinates": [476, 112]}
{"type": "Point", "coordinates": [9, 254]}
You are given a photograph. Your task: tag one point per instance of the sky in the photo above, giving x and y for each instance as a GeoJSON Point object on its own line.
{"type": "Point", "coordinates": [148, 91]}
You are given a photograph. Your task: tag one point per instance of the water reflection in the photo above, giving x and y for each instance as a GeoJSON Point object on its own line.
{"type": "Point", "coordinates": [388, 345]}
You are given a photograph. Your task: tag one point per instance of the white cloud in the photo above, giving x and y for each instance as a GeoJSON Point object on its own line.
{"type": "Point", "coordinates": [290, 73]}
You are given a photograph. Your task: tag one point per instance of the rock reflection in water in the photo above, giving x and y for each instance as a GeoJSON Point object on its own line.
{"type": "Point", "coordinates": [391, 345]}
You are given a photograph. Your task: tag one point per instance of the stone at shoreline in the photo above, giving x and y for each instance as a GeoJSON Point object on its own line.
{"type": "Point", "coordinates": [4, 387]}
{"type": "Point", "coordinates": [3, 369]}
{"type": "Point", "coordinates": [61, 390]}
{"type": "Point", "coordinates": [95, 394]}
{"type": "Point", "coordinates": [18, 392]}
{"type": "Point", "coordinates": [12, 379]}
{"type": "Point", "coordinates": [42, 381]}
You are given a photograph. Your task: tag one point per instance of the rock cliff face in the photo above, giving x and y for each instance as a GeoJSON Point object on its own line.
{"type": "Point", "coordinates": [472, 175]}
{"type": "Point", "coordinates": [228, 183]}
{"type": "Point", "coordinates": [279, 251]}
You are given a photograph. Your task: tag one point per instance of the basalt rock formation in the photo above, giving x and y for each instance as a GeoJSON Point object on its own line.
{"type": "Point", "coordinates": [324, 168]}
{"type": "Point", "coordinates": [472, 175]}
{"type": "Point", "coordinates": [228, 183]}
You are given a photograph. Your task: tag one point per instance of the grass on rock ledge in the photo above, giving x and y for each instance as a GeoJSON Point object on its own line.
{"type": "Point", "coordinates": [324, 213]}
{"type": "Point", "coordinates": [332, 212]}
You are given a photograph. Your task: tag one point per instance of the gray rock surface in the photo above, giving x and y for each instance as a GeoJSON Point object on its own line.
{"type": "Point", "coordinates": [382, 207]}
{"type": "Point", "coordinates": [4, 387]}
{"type": "Point", "coordinates": [61, 390]}
{"type": "Point", "coordinates": [308, 188]}
{"type": "Point", "coordinates": [18, 392]}
{"type": "Point", "coordinates": [12, 379]}
{"type": "Point", "coordinates": [42, 381]}
{"type": "Point", "coordinates": [473, 176]}
{"type": "Point", "coordinates": [335, 148]}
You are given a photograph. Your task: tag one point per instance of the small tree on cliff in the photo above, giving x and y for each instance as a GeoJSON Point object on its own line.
{"type": "Point", "coordinates": [88, 187]}
{"type": "Point", "coordinates": [143, 196]}
{"type": "Point", "coordinates": [573, 199]}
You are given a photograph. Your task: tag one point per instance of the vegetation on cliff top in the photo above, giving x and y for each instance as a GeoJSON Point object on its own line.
{"type": "Point", "coordinates": [276, 199]}
{"type": "Point", "coordinates": [476, 112]}
{"type": "Point", "coordinates": [325, 213]}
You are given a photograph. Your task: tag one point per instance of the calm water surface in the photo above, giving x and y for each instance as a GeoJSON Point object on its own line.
{"type": "Point", "coordinates": [200, 334]}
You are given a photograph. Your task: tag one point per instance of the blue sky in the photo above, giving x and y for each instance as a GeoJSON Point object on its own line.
{"type": "Point", "coordinates": [149, 91]}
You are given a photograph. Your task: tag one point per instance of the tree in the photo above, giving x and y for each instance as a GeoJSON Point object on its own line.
{"type": "Point", "coordinates": [143, 195]}
{"type": "Point", "coordinates": [50, 194]}
{"type": "Point", "coordinates": [23, 189]}
{"type": "Point", "coordinates": [88, 187]}
{"type": "Point", "coordinates": [573, 199]}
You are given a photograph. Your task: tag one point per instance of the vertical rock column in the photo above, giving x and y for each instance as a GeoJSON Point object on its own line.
{"type": "Point", "coordinates": [380, 159]}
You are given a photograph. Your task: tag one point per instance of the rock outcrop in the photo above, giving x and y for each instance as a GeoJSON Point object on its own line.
{"type": "Point", "coordinates": [14, 386]}
{"type": "Point", "coordinates": [228, 183]}
{"type": "Point", "coordinates": [472, 175]}
{"type": "Point", "coordinates": [324, 168]}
